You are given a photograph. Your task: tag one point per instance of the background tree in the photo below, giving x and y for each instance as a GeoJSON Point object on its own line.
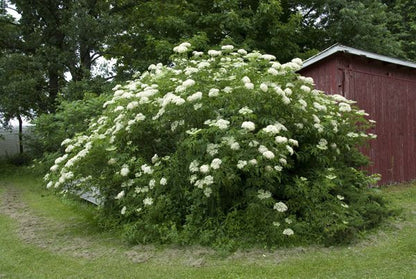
{"type": "Point", "coordinates": [154, 27]}
{"type": "Point", "coordinates": [404, 25]}
{"type": "Point", "coordinates": [364, 24]}
{"type": "Point", "coordinates": [21, 89]}
{"type": "Point", "coordinates": [67, 36]}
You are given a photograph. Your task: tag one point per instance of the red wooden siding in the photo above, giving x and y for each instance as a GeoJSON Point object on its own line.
{"type": "Point", "coordinates": [388, 93]}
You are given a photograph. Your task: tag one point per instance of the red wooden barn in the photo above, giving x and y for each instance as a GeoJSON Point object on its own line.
{"type": "Point", "coordinates": [384, 87]}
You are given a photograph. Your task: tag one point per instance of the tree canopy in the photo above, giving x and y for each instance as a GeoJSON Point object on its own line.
{"type": "Point", "coordinates": [60, 41]}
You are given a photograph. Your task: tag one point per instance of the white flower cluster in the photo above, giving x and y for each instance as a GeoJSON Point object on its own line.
{"type": "Point", "coordinates": [220, 123]}
{"type": "Point", "coordinates": [262, 194]}
{"type": "Point", "coordinates": [215, 101]}
{"type": "Point", "coordinates": [182, 48]}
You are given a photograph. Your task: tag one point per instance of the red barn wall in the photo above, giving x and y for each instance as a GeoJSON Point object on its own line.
{"type": "Point", "coordinates": [388, 93]}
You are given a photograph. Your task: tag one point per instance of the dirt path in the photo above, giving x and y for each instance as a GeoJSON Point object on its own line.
{"type": "Point", "coordinates": [43, 232]}
{"type": "Point", "coordinates": [56, 237]}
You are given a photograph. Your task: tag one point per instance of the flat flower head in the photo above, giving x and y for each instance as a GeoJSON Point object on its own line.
{"type": "Point", "coordinates": [180, 49]}
{"type": "Point", "coordinates": [54, 168]}
{"type": "Point", "coordinates": [288, 232]}
{"type": "Point", "coordinates": [331, 177]}
{"type": "Point", "coordinates": [249, 85]}
{"type": "Point", "coordinates": [207, 192]}
{"type": "Point", "coordinates": [212, 148]}
{"type": "Point", "coordinates": [281, 140]}
{"type": "Point", "coordinates": [305, 88]}
{"type": "Point", "coordinates": [344, 107]}
{"type": "Point", "coordinates": [124, 170]}
{"type": "Point", "coordinates": [262, 194]}
{"type": "Point", "coordinates": [222, 124]}
{"type": "Point", "coordinates": [69, 148]}
{"type": "Point", "coordinates": [204, 168]}
{"type": "Point", "coordinates": [132, 105]}
{"type": "Point", "coordinates": [195, 97]}
{"type": "Point", "coordinates": [297, 61]}
{"type": "Point", "coordinates": [242, 51]}
{"type": "Point", "coordinates": [120, 195]}
{"type": "Point", "coordinates": [278, 168]}
{"type": "Point", "coordinates": [241, 164]}
{"type": "Point", "coordinates": [262, 149]}
{"type": "Point", "coordinates": [208, 180]}
{"type": "Point", "coordinates": [268, 154]}
{"type": "Point", "coordinates": [216, 163]}
{"type": "Point", "coordinates": [289, 149]}
{"type": "Point", "coordinates": [245, 110]}
{"type": "Point", "coordinates": [246, 79]}
{"type": "Point", "coordinates": [273, 71]}
{"type": "Point", "coordinates": [248, 125]}
{"type": "Point", "coordinates": [235, 146]}
{"type": "Point", "coordinates": [293, 142]}
{"type": "Point", "coordinates": [188, 83]}
{"type": "Point", "coordinates": [264, 87]}
{"type": "Point", "coordinates": [197, 53]}
{"type": "Point", "coordinates": [194, 166]}
{"type": "Point", "coordinates": [155, 158]}
{"type": "Point", "coordinates": [280, 207]}
{"type": "Point", "coordinates": [148, 201]}
{"type": "Point", "coordinates": [268, 57]}
{"type": "Point", "coordinates": [227, 47]}
{"type": "Point", "coordinates": [213, 92]}
{"type": "Point", "coordinates": [214, 53]}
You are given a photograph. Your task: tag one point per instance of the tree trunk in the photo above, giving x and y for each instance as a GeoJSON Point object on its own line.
{"type": "Point", "coordinates": [53, 89]}
{"type": "Point", "coordinates": [19, 118]}
{"type": "Point", "coordinates": [85, 60]}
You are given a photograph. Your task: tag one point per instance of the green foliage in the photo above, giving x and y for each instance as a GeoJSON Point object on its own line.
{"type": "Point", "coordinates": [285, 29]}
{"type": "Point", "coordinates": [403, 24]}
{"type": "Point", "coordinates": [364, 24]}
{"type": "Point", "coordinates": [152, 28]}
{"type": "Point", "coordinates": [225, 148]}
{"type": "Point", "coordinates": [71, 117]}
{"type": "Point", "coordinates": [21, 87]}
{"type": "Point", "coordinates": [21, 159]}
{"type": "Point", "coordinates": [61, 37]}
{"type": "Point", "coordinates": [64, 37]}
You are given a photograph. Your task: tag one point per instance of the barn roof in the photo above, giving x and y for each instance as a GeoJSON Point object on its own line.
{"type": "Point", "coordinates": [345, 49]}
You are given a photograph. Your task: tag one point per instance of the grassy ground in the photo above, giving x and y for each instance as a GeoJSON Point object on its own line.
{"type": "Point", "coordinates": [43, 236]}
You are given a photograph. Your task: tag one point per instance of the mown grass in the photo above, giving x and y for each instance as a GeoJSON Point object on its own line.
{"type": "Point", "coordinates": [389, 252]}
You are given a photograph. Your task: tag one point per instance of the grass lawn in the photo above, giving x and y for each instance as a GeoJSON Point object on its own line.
{"type": "Point", "coordinates": [44, 236]}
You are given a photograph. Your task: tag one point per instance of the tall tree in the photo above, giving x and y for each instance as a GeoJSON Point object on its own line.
{"type": "Point", "coordinates": [403, 23]}
{"type": "Point", "coordinates": [67, 36]}
{"type": "Point", "coordinates": [21, 89]}
{"type": "Point", "coordinates": [153, 27]}
{"type": "Point", "coordinates": [365, 24]}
